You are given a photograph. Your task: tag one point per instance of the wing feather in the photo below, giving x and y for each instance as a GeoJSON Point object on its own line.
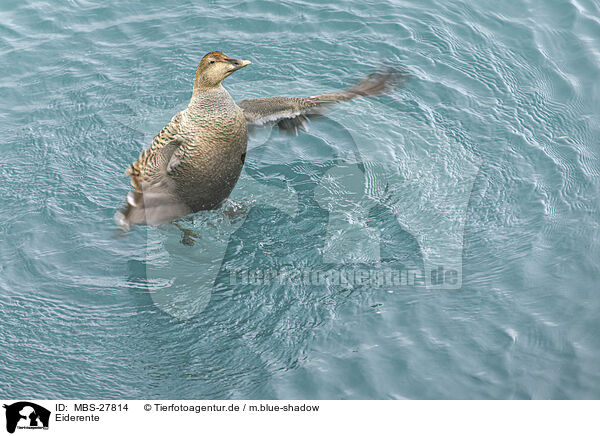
{"type": "Point", "coordinates": [155, 201]}
{"type": "Point", "coordinates": [141, 170]}
{"type": "Point", "coordinates": [289, 113]}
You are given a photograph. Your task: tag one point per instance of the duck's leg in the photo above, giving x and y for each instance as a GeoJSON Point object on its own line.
{"type": "Point", "coordinates": [188, 236]}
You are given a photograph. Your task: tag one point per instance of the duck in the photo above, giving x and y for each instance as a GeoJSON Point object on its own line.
{"type": "Point", "coordinates": [195, 161]}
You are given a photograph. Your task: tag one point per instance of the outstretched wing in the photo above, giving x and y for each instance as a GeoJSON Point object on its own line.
{"type": "Point", "coordinates": [289, 113]}
{"type": "Point", "coordinates": [142, 170]}
{"type": "Point", "coordinates": [154, 200]}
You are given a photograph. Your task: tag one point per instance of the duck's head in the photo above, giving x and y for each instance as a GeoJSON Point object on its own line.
{"type": "Point", "coordinates": [214, 67]}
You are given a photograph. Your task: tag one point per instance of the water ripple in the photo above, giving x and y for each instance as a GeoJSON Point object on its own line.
{"type": "Point", "coordinates": [508, 88]}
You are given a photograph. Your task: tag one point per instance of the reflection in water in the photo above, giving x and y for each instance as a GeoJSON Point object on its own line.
{"type": "Point", "coordinates": [267, 326]}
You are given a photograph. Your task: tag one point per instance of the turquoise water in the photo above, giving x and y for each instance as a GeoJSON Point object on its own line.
{"type": "Point", "coordinates": [487, 161]}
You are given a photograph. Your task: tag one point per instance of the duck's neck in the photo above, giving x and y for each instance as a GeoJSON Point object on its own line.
{"type": "Point", "coordinates": [206, 97]}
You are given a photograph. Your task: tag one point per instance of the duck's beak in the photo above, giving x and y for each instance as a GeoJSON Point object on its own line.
{"type": "Point", "coordinates": [237, 63]}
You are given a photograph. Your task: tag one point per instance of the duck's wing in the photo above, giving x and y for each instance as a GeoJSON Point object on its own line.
{"type": "Point", "coordinates": [142, 169]}
{"type": "Point", "coordinates": [154, 201]}
{"type": "Point", "coordinates": [290, 113]}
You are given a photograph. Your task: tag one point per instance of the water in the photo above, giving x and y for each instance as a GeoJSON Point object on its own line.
{"type": "Point", "coordinates": [487, 162]}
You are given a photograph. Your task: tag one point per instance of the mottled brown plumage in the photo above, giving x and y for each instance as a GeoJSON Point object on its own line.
{"type": "Point", "coordinates": [196, 159]}
{"type": "Point", "coordinates": [291, 112]}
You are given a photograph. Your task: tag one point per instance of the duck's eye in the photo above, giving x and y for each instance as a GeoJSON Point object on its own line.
{"type": "Point", "coordinates": [212, 62]}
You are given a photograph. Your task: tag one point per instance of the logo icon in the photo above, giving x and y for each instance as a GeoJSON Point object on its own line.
{"type": "Point", "coordinates": [26, 415]}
